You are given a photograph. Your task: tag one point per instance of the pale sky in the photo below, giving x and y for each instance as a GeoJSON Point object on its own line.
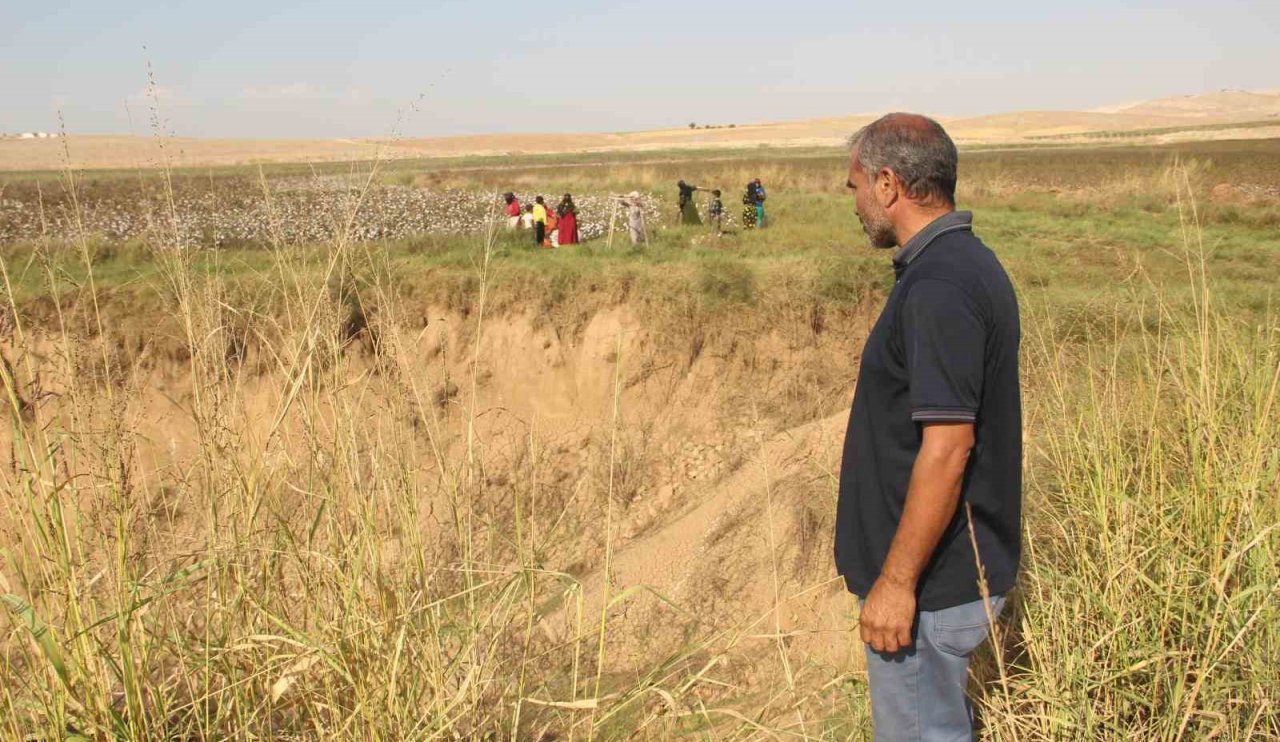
{"type": "Point", "coordinates": [232, 68]}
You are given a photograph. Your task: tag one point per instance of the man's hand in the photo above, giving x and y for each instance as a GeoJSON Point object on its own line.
{"type": "Point", "coordinates": [887, 616]}
{"type": "Point", "coordinates": [932, 499]}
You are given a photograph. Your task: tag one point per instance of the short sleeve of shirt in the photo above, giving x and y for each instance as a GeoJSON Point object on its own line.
{"type": "Point", "coordinates": [944, 337]}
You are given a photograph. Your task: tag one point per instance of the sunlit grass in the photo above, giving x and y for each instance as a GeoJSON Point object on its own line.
{"type": "Point", "coordinates": [340, 553]}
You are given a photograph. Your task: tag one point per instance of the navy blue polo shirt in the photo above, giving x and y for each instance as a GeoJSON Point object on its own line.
{"type": "Point", "coordinates": [945, 348]}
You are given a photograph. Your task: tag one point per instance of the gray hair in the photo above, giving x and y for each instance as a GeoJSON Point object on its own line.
{"type": "Point", "coordinates": [916, 148]}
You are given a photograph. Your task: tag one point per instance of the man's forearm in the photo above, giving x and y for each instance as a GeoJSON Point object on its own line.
{"type": "Point", "coordinates": [932, 498]}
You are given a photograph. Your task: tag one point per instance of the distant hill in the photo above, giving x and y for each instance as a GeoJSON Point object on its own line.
{"type": "Point", "coordinates": [1219, 106]}
{"type": "Point", "coordinates": [1219, 115]}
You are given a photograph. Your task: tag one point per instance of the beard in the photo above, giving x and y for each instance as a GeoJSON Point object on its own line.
{"type": "Point", "coordinates": [879, 231]}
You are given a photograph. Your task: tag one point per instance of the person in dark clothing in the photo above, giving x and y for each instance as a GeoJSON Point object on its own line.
{"type": "Point", "coordinates": [688, 209]}
{"type": "Point", "coordinates": [757, 189]}
{"type": "Point", "coordinates": [928, 521]}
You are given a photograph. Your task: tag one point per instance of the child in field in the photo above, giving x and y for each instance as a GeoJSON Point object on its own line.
{"type": "Point", "coordinates": [539, 222]}
{"type": "Point", "coordinates": [553, 229]}
{"type": "Point", "coordinates": [715, 213]}
{"type": "Point", "coordinates": [526, 220]}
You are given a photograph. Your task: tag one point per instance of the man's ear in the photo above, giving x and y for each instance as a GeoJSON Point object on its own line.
{"type": "Point", "coordinates": [887, 187]}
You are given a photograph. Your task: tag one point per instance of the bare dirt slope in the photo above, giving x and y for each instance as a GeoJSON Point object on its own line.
{"type": "Point", "coordinates": [1137, 119]}
{"type": "Point", "coordinates": [741, 559]}
{"type": "Point", "coordinates": [722, 496]}
{"type": "Point", "coordinates": [687, 477]}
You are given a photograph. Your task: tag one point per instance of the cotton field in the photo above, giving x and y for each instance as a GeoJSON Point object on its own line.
{"type": "Point", "coordinates": [289, 210]}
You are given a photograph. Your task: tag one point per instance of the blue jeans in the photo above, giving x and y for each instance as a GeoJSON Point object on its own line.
{"type": "Point", "coordinates": [919, 694]}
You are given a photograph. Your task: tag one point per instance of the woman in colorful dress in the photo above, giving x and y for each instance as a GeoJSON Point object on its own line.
{"type": "Point", "coordinates": [568, 221]}
{"type": "Point", "coordinates": [749, 207]}
{"type": "Point", "coordinates": [553, 229]}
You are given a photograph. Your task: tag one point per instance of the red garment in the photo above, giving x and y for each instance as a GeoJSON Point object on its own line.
{"type": "Point", "coordinates": [569, 229]}
{"type": "Point", "coordinates": [513, 208]}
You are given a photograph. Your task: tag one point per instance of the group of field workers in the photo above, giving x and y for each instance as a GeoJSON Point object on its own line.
{"type": "Point", "coordinates": [549, 227]}
{"type": "Point", "coordinates": [753, 199]}
{"type": "Point", "coordinates": [559, 226]}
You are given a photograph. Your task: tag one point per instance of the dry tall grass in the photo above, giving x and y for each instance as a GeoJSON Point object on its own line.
{"type": "Point", "coordinates": [314, 570]}
{"type": "Point", "coordinates": [1149, 605]}
{"type": "Point", "coordinates": [350, 562]}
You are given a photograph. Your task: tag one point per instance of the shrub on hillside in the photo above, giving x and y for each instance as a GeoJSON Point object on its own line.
{"type": "Point", "coordinates": [728, 281]}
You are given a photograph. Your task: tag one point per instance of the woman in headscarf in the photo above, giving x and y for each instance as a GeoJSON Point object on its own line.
{"type": "Point", "coordinates": [635, 217]}
{"type": "Point", "coordinates": [568, 221]}
{"type": "Point", "coordinates": [760, 196]}
{"type": "Point", "coordinates": [688, 209]}
{"type": "Point", "coordinates": [512, 210]}
{"type": "Point", "coordinates": [749, 207]}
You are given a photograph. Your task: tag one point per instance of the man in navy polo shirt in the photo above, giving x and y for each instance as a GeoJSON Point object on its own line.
{"type": "Point", "coordinates": [929, 517]}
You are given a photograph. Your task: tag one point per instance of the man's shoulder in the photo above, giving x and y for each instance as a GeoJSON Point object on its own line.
{"type": "Point", "coordinates": [960, 260]}
{"type": "Point", "coordinates": [960, 257]}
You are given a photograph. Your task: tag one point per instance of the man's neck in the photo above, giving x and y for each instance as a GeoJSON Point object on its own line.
{"type": "Point", "coordinates": [916, 220]}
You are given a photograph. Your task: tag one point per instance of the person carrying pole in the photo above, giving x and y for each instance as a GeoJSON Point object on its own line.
{"type": "Point", "coordinates": [635, 217]}
{"type": "Point", "coordinates": [688, 209]}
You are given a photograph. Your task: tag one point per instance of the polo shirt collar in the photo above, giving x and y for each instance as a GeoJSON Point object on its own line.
{"type": "Point", "coordinates": [954, 221]}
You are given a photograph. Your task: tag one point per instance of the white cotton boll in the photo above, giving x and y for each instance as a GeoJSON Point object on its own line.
{"type": "Point", "coordinates": [300, 210]}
